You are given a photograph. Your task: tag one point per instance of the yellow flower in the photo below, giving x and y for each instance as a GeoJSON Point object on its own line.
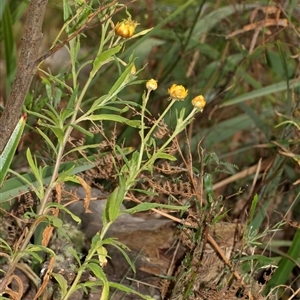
{"type": "Point", "coordinates": [151, 85]}
{"type": "Point", "coordinates": [126, 28]}
{"type": "Point", "coordinates": [199, 102]}
{"type": "Point", "coordinates": [177, 92]}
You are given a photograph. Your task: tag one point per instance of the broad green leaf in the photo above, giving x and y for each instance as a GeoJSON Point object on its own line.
{"type": "Point", "coordinates": [57, 222]}
{"type": "Point", "coordinates": [113, 203]}
{"type": "Point", "coordinates": [102, 255]}
{"type": "Point", "coordinates": [9, 151]}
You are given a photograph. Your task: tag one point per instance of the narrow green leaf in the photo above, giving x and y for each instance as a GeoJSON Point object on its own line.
{"type": "Point", "coordinates": [131, 264]}
{"type": "Point", "coordinates": [33, 165]}
{"type": "Point", "coordinates": [98, 272]}
{"type": "Point", "coordinates": [121, 82]}
{"type": "Point", "coordinates": [46, 138]}
{"type": "Point", "coordinates": [267, 90]}
{"type": "Point", "coordinates": [261, 258]}
{"type": "Point", "coordinates": [207, 180]}
{"type": "Point", "coordinates": [165, 156]}
{"type": "Point", "coordinates": [22, 184]}
{"type": "Point", "coordinates": [73, 97]}
{"type": "Point", "coordinates": [9, 151]}
{"type": "Point", "coordinates": [9, 46]}
{"type": "Point", "coordinates": [115, 118]}
{"type": "Point", "coordinates": [147, 206]}
{"type": "Point", "coordinates": [129, 290]}
{"type": "Point", "coordinates": [285, 266]}
{"type": "Point", "coordinates": [33, 249]}
{"type": "Point", "coordinates": [2, 8]}
{"type": "Point", "coordinates": [62, 283]}
{"type": "Point", "coordinates": [83, 130]}
{"type": "Point", "coordinates": [63, 208]}
{"type": "Point", "coordinates": [253, 207]}
{"type": "Point", "coordinates": [17, 186]}
{"type": "Point", "coordinates": [268, 192]}
{"type": "Point", "coordinates": [104, 58]}
{"type": "Point", "coordinates": [41, 116]}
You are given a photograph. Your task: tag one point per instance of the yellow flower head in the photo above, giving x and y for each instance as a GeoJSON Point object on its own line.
{"type": "Point", "coordinates": [199, 102]}
{"type": "Point", "coordinates": [177, 92]}
{"type": "Point", "coordinates": [126, 28]}
{"type": "Point", "coordinates": [151, 85]}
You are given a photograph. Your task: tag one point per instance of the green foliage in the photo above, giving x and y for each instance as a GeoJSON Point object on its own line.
{"type": "Point", "coordinates": [8, 153]}
{"type": "Point", "coordinates": [249, 79]}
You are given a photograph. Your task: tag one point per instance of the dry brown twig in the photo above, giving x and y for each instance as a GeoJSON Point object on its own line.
{"type": "Point", "coordinates": [210, 240]}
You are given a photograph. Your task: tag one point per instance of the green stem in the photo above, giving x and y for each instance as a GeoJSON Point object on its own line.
{"type": "Point", "coordinates": [179, 127]}
{"type": "Point", "coordinates": [87, 259]}
{"type": "Point", "coordinates": [142, 132]}
{"type": "Point", "coordinates": [159, 119]}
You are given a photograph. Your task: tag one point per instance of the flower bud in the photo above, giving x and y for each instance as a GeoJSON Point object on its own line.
{"type": "Point", "coordinates": [126, 28]}
{"type": "Point", "coordinates": [133, 70]}
{"type": "Point", "coordinates": [178, 92]}
{"type": "Point", "coordinates": [151, 85]}
{"type": "Point", "coordinates": [199, 102]}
